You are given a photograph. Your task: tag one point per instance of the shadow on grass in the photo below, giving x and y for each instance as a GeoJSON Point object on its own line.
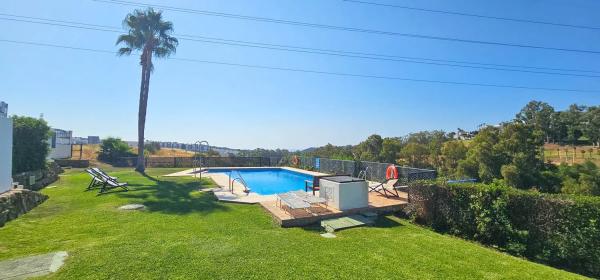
{"type": "Point", "coordinates": [174, 198]}
{"type": "Point", "coordinates": [386, 222]}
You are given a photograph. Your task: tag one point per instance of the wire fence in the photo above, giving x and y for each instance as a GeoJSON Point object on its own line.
{"type": "Point", "coordinates": [374, 171]}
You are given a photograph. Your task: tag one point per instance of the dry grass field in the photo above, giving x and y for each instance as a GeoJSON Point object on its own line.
{"type": "Point", "coordinates": [90, 152]}
{"type": "Point", "coordinates": [558, 154]}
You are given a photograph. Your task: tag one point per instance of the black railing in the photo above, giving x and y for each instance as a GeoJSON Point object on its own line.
{"type": "Point", "coordinates": [375, 170]}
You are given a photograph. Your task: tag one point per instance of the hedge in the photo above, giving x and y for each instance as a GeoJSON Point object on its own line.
{"type": "Point", "coordinates": [558, 230]}
{"type": "Point", "coordinates": [30, 144]}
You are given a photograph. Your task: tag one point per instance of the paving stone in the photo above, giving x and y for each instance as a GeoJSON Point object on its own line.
{"type": "Point", "coordinates": [328, 235]}
{"type": "Point", "coordinates": [132, 207]}
{"type": "Point", "coordinates": [32, 266]}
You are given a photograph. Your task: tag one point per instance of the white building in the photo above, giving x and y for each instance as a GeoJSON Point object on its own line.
{"type": "Point", "coordinates": [6, 137]}
{"type": "Point", "coordinates": [60, 144]}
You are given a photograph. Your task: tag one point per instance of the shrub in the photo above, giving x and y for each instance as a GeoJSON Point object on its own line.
{"type": "Point", "coordinates": [30, 144]}
{"type": "Point", "coordinates": [559, 230]}
{"type": "Point", "coordinates": [152, 147]}
{"type": "Point", "coordinates": [111, 149]}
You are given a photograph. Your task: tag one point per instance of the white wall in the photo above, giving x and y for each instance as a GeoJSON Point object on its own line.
{"type": "Point", "coordinates": [6, 137]}
{"type": "Point", "coordinates": [60, 151]}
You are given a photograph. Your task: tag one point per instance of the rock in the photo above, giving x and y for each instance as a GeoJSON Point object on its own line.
{"type": "Point", "coordinates": [132, 207]}
{"type": "Point", "coordinates": [16, 202]}
{"type": "Point", "coordinates": [32, 266]}
{"type": "Point", "coordinates": [328, 235]}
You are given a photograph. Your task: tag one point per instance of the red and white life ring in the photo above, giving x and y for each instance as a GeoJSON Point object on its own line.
{"type": "Point", "coordinates": [391, 172]}
{"type": "Point", "coordinates": [295, 160]}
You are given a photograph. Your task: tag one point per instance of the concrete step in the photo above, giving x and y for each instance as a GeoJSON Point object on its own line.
{"type": "Point", "coordinates": [332, 225]}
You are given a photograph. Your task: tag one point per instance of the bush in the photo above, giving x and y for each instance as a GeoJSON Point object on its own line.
{"type": "Point", "coordinates": [152, 147]}
{"type": "Point", "coordinates": [111, 149]}
{"type": "Point", "coordinates": [30, 144]}
{"type": "Point", "coordinates": [559, 230]}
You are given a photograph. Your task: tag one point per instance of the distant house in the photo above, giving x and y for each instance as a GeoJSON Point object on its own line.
{"type": "Point", "coordinates": [93, 139]}
{"type": "Point", "coordinates": [6, 138]}
{"type": "Point", "coordinates": [80, 141]}
{"type": "Point", "coordinates": [60, 144]}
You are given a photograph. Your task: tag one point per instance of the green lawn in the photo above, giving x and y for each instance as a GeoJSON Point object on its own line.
{"type": "Point", "coordinates": [186, 234]}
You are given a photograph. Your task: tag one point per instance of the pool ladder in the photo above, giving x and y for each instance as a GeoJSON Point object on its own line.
{"type": "Point", "coordinates": [240, 179]}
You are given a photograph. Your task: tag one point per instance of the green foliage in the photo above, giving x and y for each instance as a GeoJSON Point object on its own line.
{"type": "Point", "coordinates": [111, 149]}
{"type": "Point", "coordinates": [152, 147]}
{"type": "Point", "coordinates": [331, 151]}
{"type": "Point", "coordinates": [580, 178]}
{"type": "Point", "coordinates": [390, 150]}
{"type": "Point", "coordinates": [538, 115]}
{"type": "Point", "coordinates": [452, 153]}
{"type": "Point", "coordinates": [560, 230]}
{"type": "Point", "coordinates": [484, 159]}
{"type": "Point", "coordinates": [370, 149]}
{"type": "Point", "coordinates": [415, 154]}
{"type": "Point", "coordinates": [512, 152]}
{"type": "Point", "coordinates": [30, 144]}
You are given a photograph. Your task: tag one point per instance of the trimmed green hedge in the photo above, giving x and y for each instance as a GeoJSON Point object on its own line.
{"type": "Point", "coordinates": [558, 230]}
{"type": "Point", "coordinates": [30, 144]}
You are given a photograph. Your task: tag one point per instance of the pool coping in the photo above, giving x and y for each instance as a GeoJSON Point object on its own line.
{"type": "Point", "coordinates": [238, 196]}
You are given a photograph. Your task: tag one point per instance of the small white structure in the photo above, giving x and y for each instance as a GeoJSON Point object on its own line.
{"type": "Point", "coordinates": [60, 144]}
{"type": "Point", "coordinates": [344, 192]}
{"type": "Point", "coordinates": [6, 138]}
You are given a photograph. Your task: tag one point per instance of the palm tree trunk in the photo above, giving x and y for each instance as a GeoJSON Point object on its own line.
{"type": "Point", "coordinates": [143, 103]}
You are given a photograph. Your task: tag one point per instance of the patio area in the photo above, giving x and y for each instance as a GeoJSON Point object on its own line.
{"type": "Point", "coordinates": [285, 217]}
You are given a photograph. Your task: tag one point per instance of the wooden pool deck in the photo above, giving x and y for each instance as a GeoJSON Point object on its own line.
{"type": "Point", "coordinates": [300, 217]}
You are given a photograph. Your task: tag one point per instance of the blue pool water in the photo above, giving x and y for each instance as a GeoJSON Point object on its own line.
{"type": "Point", "coordinates": [270, 181]}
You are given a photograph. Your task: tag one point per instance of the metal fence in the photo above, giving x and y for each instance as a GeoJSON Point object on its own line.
{"type": "Point", "coordinates": [375, 171]}
{"type": "Point", "coordinates": [189, 161]}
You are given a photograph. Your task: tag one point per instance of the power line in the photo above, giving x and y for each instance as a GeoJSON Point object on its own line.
{"type": "Point", "coordinates": [343, 28]}
{"type": "Point", "coordinates": [299, 70]}
{"type": "Point", "coordinates": [395, 60]}
{"type": "Point", "coordinates": [474, 15]}
{"type": "Point", "coordinates": [289, 48]}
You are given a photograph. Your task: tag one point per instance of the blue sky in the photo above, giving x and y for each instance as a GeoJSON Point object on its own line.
{"type": "Point", "coordinates": [97, 94]}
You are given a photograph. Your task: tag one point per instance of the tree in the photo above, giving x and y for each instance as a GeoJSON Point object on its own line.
{"type": "Point", "coordinates": [572, 118]}
{"type": "Point", "coordinates": [111, 149]}
{"type": "Point", "coordinates": [415, 155]}
{"type": "Point", "coordinates": [151, 35]}
{"type": "Point", "coordinates": [523, 147]}
{"type": "Point", "coordinates": [591, 126]}
{"type": "Point", "coordinates": [580, 178]}
{"type": "Point", "coordinates": [152, 147]}
{"type": "Point", "coordinates": [484, 159]}
{"type": "Point", "coordinates": [30, 144]}
{"type": "Point", "coordinates": [390, 149]}
{"type": "Point", "coordinates": [369, 149]}
{"type": "Point", "coordinates": [453, 152]}
{"type": "Point", "coordinates": [558, 127]}
{"type": "Point", "coordinates": [539, 115]}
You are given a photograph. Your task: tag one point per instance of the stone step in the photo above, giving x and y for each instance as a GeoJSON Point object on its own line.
{"type": "Point", "coordinates": [332, 225]}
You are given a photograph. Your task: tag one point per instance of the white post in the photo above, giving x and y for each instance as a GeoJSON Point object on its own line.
{"type": "Point", "coordinates": [6, 138]}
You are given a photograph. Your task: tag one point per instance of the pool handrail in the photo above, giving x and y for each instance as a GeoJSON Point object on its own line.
{"type": "Point", "coordinates": [239, 179]}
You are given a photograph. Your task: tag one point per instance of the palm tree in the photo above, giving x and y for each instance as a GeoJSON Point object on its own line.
{"type": "Point", "coordinates": [151, 36]}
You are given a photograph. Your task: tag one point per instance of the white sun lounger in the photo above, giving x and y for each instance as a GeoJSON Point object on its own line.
{"type": "Point", "coordinates": [308, 198]}
{"type": "Point", "coordinates": [292, 201]}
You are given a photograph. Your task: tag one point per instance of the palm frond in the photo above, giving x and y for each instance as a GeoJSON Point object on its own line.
{"type": "Point", "coordinates": [147, 29]}
{"type": "Point", "coordinates": [124, 51]}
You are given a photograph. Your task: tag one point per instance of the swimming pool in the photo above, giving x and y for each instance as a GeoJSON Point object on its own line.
{"type": "Point", "coordinates": [267, 181]}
